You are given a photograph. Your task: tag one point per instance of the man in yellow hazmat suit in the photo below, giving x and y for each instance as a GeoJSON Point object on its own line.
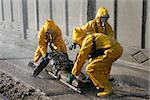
{"type": "Point", "coordinates": [102, 51]}
{"type": "Point", "coordinates": [99, 25]}
{"type": "Point", "coordinates": [49, 33]}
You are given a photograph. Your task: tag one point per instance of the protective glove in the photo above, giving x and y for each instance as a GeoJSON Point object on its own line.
{"type": "Point", "coordinates": [70, 78]}
{"type": "Point", "coordinates": [45, 57]}
{"type": "Point", "coordinates": [73, 46]}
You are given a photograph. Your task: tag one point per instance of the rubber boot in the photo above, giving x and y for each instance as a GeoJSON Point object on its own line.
{"type": "Point", "coordinates": [111, 79]}
{"type": "Point", "coordinates": [32, 64]}
{"type": "Point", "coordinates": [105, 93]}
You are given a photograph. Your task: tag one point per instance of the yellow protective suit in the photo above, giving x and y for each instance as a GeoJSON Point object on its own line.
{"type": "Point", "coordinates": [97, 69]}
{"type": "Point", "coordinates": [95, 26]}
{"type": "Point", "coordinates": [91, 25]}
{"type": "Point", "coordinates": [43, 40]}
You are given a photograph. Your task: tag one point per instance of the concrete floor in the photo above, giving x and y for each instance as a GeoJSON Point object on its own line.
{"type": "Point", "coordinates": [131, 83]}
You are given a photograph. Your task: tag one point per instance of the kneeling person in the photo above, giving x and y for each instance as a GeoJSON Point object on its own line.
{"type": "Point", "coordinates": [102, 51]}
{"type": "Point", "coordinates": [51, 34]}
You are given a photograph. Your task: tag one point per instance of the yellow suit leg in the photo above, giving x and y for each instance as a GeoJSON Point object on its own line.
{"type": "Point", "coordinates": [98, 74]}
{"type": "Point", "coordinates": [37, 55]}
{"type": "Point", "coordinates": [112, 56]}
{"type": "Point", "coordinates": [108, 68]}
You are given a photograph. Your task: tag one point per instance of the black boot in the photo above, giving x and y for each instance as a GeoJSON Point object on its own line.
{"type": "Point", "coordinates": [111, 79]}
{"type": "Point", "coordinates": [31, 64]}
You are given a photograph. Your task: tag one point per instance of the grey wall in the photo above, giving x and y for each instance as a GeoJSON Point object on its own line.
{"type": "Point", "coordinates": [75, 9]}
{"type": "Point", "coordinates": [7, 10]}
{"type": "Point", "coordinates": [10, 19]}
{"type": "Point", "coordinates": [25, 17]}
{"type": "Point", "coordinates": [129, 22]}
{"type": "Point", "coordinates": [32, 19]}
{"type": "Point", "coordinates": [59, 14]}
{"type": "Point", "coordinates": [148, 26]}
{"type": "Point", "coordinates": [44, 11]}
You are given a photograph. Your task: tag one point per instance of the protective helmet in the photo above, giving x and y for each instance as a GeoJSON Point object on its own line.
{"type": "Point", "coordinates": [102, 12]}
{"type": "Point", "coordinates": [78, 36]}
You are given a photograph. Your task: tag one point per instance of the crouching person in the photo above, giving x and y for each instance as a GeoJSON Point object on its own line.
{"type": "Point", "coordinates": [51, 34]}
{"type": "Point", "coordinates": [102, 51]}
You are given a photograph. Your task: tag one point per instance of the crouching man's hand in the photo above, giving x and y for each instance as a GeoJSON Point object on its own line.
{"type": "Point", "coordinates": [70, 78]}
{"type": "Point", "coordinates": [45, 57]}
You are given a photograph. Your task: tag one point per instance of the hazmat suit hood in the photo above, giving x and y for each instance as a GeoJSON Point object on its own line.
{"type": "Point", "coordinates": [101, 13]}
{"type": "Point", "coordinates": [78, 36]}
{"type": "Point", "coordinates": [50, 25]}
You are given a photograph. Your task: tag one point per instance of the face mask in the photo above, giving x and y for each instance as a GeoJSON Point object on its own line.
{"type": "Point", "coordinates": [49, 32]}
{"type": "Point", "coordinates": [103, 21]}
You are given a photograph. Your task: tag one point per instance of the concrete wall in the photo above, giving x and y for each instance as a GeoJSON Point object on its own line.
{"type": "Point", "coordinates": [75, 13]}
{"type": "Point", "coordinates": [26, 19]}
{"type": "Point", "coordinates": [32, 19]}
{"type": "Point", "coordinates": [10, 19]}
{"type": "Point", "coordinates": [44, 11]}
{"type": "Point", "coordinates": [59, 14]}
{"type": "Point", "coordinates": [15, 11]}
{"type": "Point", "coordinates": [129, 22]}
{"type": "Point", "coordinates": [7, 10]}
{"type": "Point", "coordinates": [148, 26]}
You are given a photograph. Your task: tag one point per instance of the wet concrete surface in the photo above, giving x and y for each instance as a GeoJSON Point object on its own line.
{"type": "Point", "coordinates": [13, 89]}
{"type": "Point", "coordinates": [130, 84]}
{"type": "Point", "coordinates": [125, 87]}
